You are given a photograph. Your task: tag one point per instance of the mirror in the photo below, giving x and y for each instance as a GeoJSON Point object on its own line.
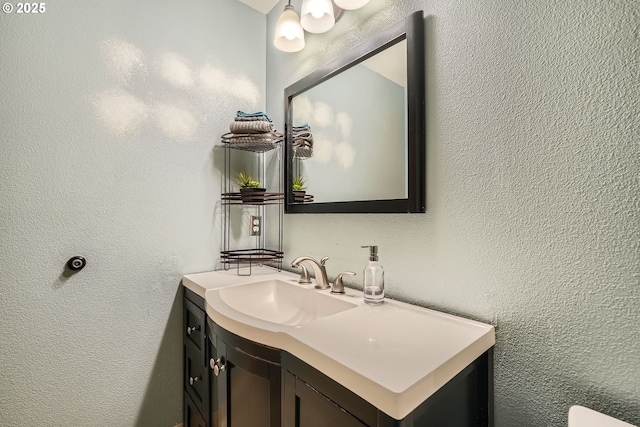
{"type": "Point", "coordinates": [355, 129]}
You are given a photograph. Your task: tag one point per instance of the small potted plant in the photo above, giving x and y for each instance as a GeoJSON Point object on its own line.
{"type": "Point", "coordinates": [250, 190]}
{"type": "Point", "coordinates": [298, 189]}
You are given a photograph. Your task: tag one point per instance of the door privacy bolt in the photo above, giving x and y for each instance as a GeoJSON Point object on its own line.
{"type": "Point", "coordinates": [76, 263]}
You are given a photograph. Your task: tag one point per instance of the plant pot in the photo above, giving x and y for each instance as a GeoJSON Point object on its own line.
{"type": "Point", "coordinates": [252, 194]}
{"type": "Point", "coordinates": [298, 196]}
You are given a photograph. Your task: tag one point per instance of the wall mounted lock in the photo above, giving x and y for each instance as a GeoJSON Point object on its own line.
{"type": "Point", "coordinates": [76, 263]}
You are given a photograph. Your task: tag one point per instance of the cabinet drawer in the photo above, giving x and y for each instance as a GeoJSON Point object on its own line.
{"type": "Point", "coordinates": [196, 379]}
{"type": "Point", "coordinates": [192, 416]}
{"type": "Point", "coordinates": [194, 324]}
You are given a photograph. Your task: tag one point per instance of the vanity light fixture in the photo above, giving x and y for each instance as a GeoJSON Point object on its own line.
{"type": "Point", "coordinates": [317, 16]}
{"type": "Point", "coordinates": [350, 4]}
{"type": "Point", "coordinates": [289, 33]}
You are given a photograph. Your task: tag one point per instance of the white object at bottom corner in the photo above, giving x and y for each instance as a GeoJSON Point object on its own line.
{"type": "Point", "coordinates": [579, 416]}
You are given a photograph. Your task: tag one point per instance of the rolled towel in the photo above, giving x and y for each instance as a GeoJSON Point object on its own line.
{"type": "Point", "coordinates": [258, 126]}
{"type": "Point", "coordinates": [259, 114]}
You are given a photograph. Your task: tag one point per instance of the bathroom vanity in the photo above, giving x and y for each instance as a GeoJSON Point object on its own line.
{"type": "Point", "coordinates": [264, 351]}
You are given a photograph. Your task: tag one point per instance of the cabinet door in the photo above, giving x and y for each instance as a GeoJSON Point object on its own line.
{"type": "Point", "coordinates": [303, 406]}
{"type": "Point", "coordinates": [248, 390]}
{"type": "Point", "coordinates": [195, 376]}
{"type": "Point", "coordinates": [192, 417]}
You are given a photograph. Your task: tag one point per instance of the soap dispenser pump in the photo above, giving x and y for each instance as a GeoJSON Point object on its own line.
{"type": "Point", "coordinates": [373, 284]}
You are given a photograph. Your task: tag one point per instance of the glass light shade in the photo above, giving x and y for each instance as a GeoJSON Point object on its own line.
{"type": "Point", "coordinates": [289, 34]}
{"type": "Point", "coordinates": [317, 15]}
{"type": "Point", "coordinates": [350, 4]}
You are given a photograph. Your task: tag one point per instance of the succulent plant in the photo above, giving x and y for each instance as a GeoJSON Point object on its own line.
{"type": "Point", "coordinates": [245, 180]}
{"type": "Point", "coordinates": [298, 183]}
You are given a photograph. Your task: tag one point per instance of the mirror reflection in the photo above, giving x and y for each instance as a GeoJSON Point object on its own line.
{"type": "Point", "coordinates": [349, 132]}
{"type": "Point", "coordinates": [355, 128]}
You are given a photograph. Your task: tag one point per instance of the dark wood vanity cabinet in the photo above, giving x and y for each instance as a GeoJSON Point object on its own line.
{"type": "Point", "coordinates": [196, 375]}
{"type": "Point", "coordinates": [311, 398]}
{"type": "Point", "coordinates": [233, 382]}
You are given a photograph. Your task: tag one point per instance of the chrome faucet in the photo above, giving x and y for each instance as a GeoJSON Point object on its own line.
{"type": "Point", "coordinates": [318, 267]}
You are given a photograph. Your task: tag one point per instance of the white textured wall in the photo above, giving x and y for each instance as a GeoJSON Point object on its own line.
{"type": "Point", "coordinates": [109, 112]}
{"type": "Point", "coordinates": [533, 204]}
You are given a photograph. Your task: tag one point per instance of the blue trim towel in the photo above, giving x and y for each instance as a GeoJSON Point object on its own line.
{"type": "Point", "coordinates": [301, 127]}
{"type": "Point", "coordinates": [257, 122]}
{"type": "Point", "coordinates": [259, 115]}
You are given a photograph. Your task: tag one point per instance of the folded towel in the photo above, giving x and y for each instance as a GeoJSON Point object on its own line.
{"type": "Point", "coordinates": [257, 114]}
{"type": "Point", "coordinates": [252, 138]}
{"type": "Point", "coordinates": [302, 151]}
{"type": "Point", "coordinates": [303, 136]}
{"type": "Point", "coordinates": [251, 119]}
{"type": "Point", "coordinates": [301, 127]}
{"type": "Point", "coordinates": [258, 126]}
{"type": "Point", "coordinates": [302, 142]}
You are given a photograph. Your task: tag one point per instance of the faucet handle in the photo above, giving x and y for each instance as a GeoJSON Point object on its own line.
{"type": "Point", "coordinates": [304, 276]}
{"type": "Point", "coordinates": [338, 286]}
{"type": "Point", "coordinates": [323, 260]}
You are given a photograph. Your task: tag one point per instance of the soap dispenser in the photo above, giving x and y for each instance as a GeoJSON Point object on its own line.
{"type": "Point", "coordinates": [373, 282]}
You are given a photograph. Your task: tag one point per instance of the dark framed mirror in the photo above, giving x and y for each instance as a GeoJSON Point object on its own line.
{"type": "Point", "coordinates": [355, 129]}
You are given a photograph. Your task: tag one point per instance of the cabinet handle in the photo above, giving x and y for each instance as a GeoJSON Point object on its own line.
{"type": "Point", "coordinates": [217, 366]}
{"type": "Point", "coordinates": [193, 380]}
{"type": "Point", "coordinates": [192, 329]}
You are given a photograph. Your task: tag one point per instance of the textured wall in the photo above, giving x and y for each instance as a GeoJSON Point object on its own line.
{"type": "Point", "coordinates": [109, 113]}
{"type": "Point", "coordinates": [533, 206]}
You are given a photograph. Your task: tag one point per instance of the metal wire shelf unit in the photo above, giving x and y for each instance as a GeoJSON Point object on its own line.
{"type": "Point", "coordinates": [261, 199]}
{"type": "Point", "coordinates": [268, 205]}
{"type": "Point", "coordinates": [257, 143]}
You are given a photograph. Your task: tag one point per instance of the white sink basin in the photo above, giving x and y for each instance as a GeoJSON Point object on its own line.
{"type": "Point", "coordinates": [282, 303]}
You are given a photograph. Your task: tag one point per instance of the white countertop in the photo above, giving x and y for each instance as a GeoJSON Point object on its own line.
{"type": "Point", "coordinates": [394, 356]}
